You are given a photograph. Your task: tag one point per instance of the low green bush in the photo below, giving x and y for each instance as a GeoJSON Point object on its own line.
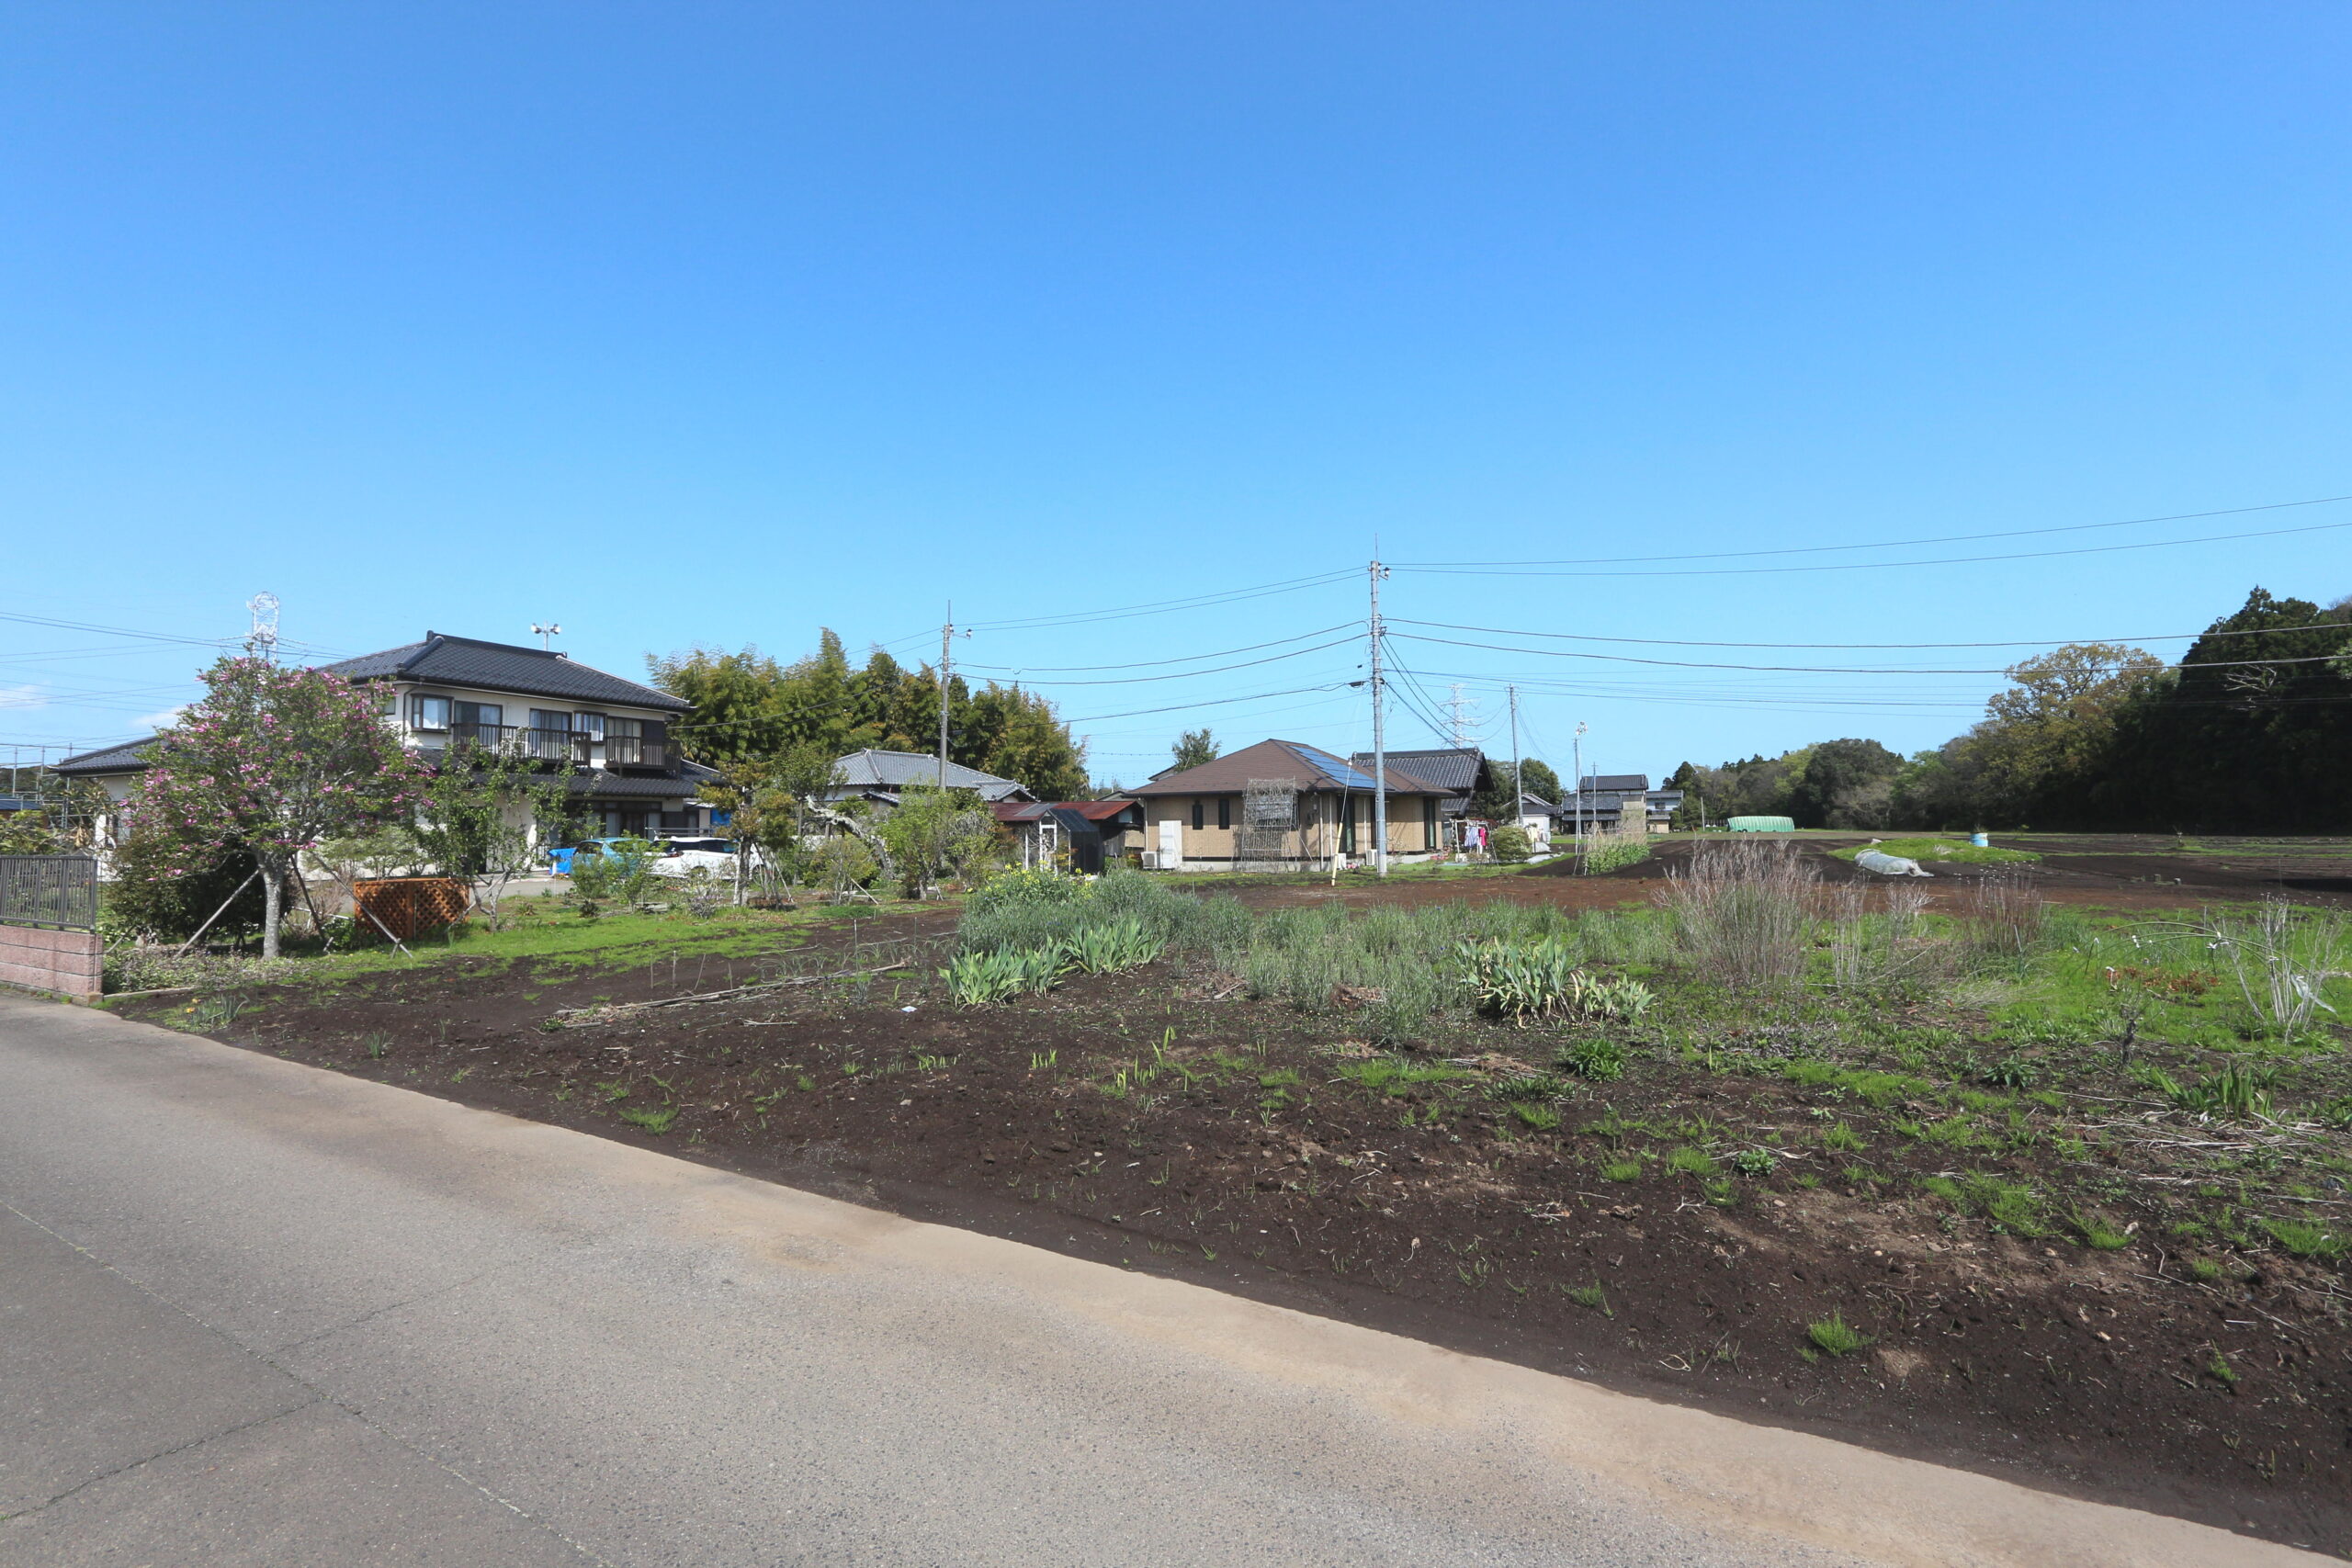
{"type": "Point", "coordinates": [1107, 947]}
{"type": "Point", "coordinates": [977, 979]}
{"type": "Point", "coordinates": [1600, 1060]}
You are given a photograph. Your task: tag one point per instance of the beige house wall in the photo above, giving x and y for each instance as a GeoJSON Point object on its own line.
{"type": "Point", "coordinates": [1315, 840]}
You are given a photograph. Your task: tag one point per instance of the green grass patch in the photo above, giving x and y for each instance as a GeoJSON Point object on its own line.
{"type": "Point", "coordinates": [2009, 1205]}
{"type": "Point", "coordinates": [1834, 1336]}
{"type": "Point", "coordinates": [2305, 1239]}
{"type": "Point", "coordinates": [1688, 1161]}
{"type": "Point", "coordinates": [554, 937]}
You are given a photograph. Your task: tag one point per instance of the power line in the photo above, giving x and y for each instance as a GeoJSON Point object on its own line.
{"type": "Point", "coordinates": [1861, 646]}
{"type": "Point", "coordinates": [1211, 703]}
{"type": "Point", "coordinates": [1506, 568]}
{"type": "Point", "coordinates": [1189, 674]}
{"type": "Point", "coordinates": [1165, 606]}
{"type": "Point", "coordinates": [1416, 697]}
{"type": "Point", "coordinates": [1149, 664]}
{"type": "Point", "coordinates": [1820, 669]}
{"type": "Point", "coordinates": [1901, 544]}
{"type": "Point", "coordinates": [118, 631]}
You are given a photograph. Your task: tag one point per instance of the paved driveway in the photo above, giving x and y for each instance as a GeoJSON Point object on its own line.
{"type": "Point", "coordinates": [253, 1312]}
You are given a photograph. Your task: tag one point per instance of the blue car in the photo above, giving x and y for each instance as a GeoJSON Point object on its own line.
{"type": "Point", "coordinates": [561, 860]}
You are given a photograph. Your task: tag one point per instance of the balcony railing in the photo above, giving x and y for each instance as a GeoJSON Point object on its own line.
{"type": "Point", "coordinates": [573, 746]}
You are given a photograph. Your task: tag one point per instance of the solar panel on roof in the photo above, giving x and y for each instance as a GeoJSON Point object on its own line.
{"type": "Point", "coordinates": [1340, 772]}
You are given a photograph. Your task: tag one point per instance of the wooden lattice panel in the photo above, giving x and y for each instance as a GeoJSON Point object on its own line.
{"type": "Point", "coordinates": [405, 906]}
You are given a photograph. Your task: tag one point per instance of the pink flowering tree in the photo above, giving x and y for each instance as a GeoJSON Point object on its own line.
{"type": "Point", "coordinates": [272, 761]}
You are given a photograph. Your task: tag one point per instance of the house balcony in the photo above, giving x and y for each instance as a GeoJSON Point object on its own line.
{"type": "Point", "coordinates": [571, 747]}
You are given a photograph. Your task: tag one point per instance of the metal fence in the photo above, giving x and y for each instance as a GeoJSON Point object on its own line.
{"type": "Point", "coordinates": [49, 890]}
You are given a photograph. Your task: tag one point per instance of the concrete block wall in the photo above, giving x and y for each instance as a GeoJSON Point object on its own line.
{"type": "Point", "coordinates": [66, 963]}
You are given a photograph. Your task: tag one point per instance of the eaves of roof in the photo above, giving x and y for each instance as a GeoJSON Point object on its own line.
{"type": "Point", "coordinates": [502, 667]}
{"type": "Point", "coordinates": [126, 758]}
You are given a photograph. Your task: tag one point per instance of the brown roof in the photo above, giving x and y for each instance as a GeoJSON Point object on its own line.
{"type": "Point", "coordinates": [1309, 767]}
{"type": "Point", "coordinates": [1094, 810]}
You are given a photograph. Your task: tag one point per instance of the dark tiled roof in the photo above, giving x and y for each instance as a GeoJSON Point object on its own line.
{"type": "Point", "coordinates": [603, 786]}
{"type": "Point", "coordinates": [501, 666]}
{"type": "Point", "coordinates": [1458, 770]}
{"type": "Point", "coordinates": [1623, 784]}
{"type": "Point", "coordinates": [1303, 765]}
{"type": "Point", "coordinates": [896, 770]}
{"type": "Point", "coordinates": [127, 758]}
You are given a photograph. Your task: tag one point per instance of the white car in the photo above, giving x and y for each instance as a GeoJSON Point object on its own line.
{"type": "Point", "coordinates": [681, 856]}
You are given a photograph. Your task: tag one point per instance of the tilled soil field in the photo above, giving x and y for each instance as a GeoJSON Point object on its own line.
{"type": "Point", "coordinates": [1161, 1120]}
{"type": "Point", "coordinates": [2116, 871]}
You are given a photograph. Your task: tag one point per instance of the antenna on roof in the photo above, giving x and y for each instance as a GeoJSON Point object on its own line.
{"type": "Point", "coordinates": [263, 638]}
{"type": "Point", "coordinates": [546, 634]}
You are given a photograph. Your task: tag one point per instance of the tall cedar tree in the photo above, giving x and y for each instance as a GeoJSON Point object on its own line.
{"type": "Point", "coordinates": [750, 708]}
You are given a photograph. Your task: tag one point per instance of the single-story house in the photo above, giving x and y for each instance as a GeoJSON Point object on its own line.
{"type": "Point", "coordinates": [877, 777]}
{"type": "Point", "coordinates": [608, 737]}
{"type": "Point", "coordinates": [1094, 833]}
{"type": "Point", "coordinates": [1536, 815]}
{"type": "Point", "coordinates": [1282, 804]}
{"type": "Point", "coordinates": [1463, 772]}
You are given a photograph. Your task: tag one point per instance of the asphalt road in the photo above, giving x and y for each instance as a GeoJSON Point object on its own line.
{"type": "Point", "coordinates": [254, 1313]}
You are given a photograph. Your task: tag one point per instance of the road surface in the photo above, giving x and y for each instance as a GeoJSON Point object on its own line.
{"type": "Point", "coordinates": [253, 1312]}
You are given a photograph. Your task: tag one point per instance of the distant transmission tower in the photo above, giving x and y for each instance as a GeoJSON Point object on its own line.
{"type": "Point", "coordinates": [262, 639]}
{"type": "Point", "coordinates": [1461, 723]}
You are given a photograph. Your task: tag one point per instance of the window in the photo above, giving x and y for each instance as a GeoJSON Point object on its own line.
{"type": "Point", "coordinates": [1223, 812]}
{"type": "Point", "coordinates": [428, 712]}
{"type": "Point", "coordinates": [1199, 814]}
{"type": "Point", "coordinates": [592, 724]}
{"type": "Point", "coordinates": [624, 728]}
{"type": "Point", "coordinates": [550, 737]}
{"type": "Point", "coordinates": [478, 713]}
{"type": "Point", "coordinates": [1429, 821]}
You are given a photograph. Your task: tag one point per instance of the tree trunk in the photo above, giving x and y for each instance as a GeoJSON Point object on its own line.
{"type": "Point", "coordinates": [273, 899]}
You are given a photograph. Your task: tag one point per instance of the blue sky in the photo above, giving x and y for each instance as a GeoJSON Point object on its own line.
{"type": "Point", "coordinates": [716, 324]}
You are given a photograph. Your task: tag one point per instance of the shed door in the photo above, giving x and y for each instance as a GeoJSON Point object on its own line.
{"type": "Point", "coordinates": [1171, 841]}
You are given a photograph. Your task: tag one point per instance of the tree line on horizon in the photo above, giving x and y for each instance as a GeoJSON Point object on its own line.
{"type": "Point", "coordinates": [751, 707]}
{"type": "Point", "coordinates": [2250, 732]}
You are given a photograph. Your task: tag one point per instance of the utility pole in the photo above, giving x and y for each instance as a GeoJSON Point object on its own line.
{"type": "Point", "coordinates": [1379, 736]}
{"type": "Point", "coordinates": [1581, 728]}
{"type": "Point", "coordinates": [946, 656]}
{"type": "Point", "coordinates": [1518, 783]}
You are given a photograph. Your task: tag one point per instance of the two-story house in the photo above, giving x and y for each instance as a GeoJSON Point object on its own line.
{"type": "Point", "coordinates": [608, 737]}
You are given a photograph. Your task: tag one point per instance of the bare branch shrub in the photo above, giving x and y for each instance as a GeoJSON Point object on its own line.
{"type": "Point", "coordinates": [2004, 913]}
{"type": "Point", "coordinates": [1886, 952]}
{"type": "Point", "coordinates": [1743, 912]}
{"type": "Point", "coordinates": [2281, 958]}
